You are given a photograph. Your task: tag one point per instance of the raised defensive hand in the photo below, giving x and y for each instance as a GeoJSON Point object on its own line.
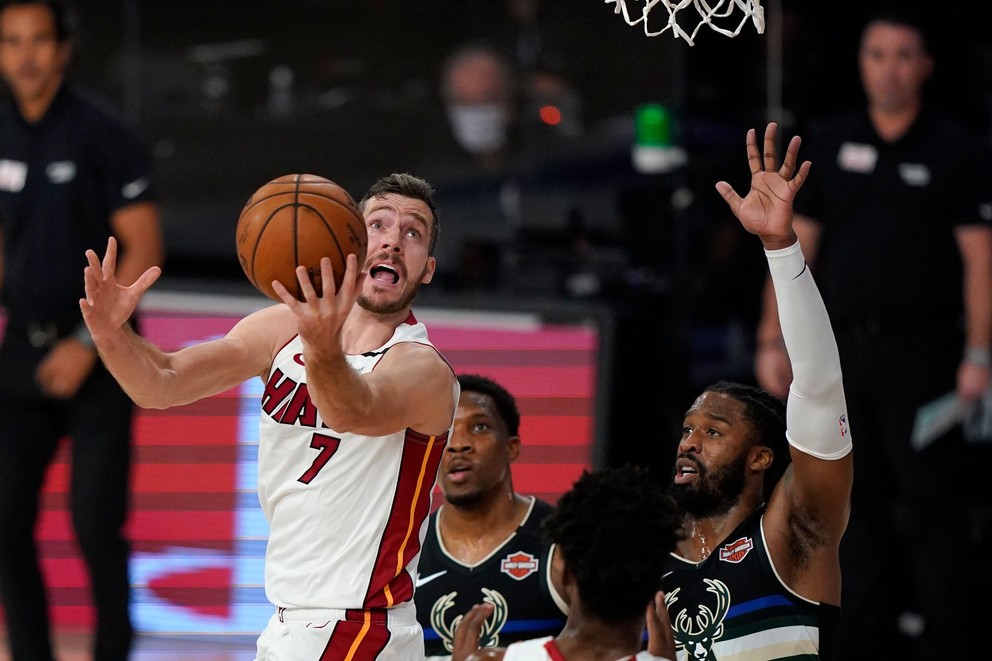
{"type": "Point", "coordinates": [766, 210]}
{"type": "Point", "coordinates": [108, 305]}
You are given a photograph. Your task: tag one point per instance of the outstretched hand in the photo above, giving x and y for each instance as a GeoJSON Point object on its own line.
{"type": "Point", "coordinates": [108, 305]}
{"type": "Point", "coordinates": [766, 210]}
{"type": "Point", "coordinates": [321, 315]}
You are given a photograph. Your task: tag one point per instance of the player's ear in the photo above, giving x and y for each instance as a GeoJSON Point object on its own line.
{"type": "Point", "coordinates": [429, 270]}
{"type": "Point", "coordinates": [513, 448]}
{"type": "Point", "coordinates": [762, 457]}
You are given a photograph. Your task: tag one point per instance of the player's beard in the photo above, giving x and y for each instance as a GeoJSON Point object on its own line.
{"type": "Point", "coordinates": [397, 305]}
{"type": "Point", "coordinates": [466, 499]}
{"type": "Point", "coordinates": [713, 493]}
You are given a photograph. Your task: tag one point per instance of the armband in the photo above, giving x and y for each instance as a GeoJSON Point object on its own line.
{"type": "Point", "coordinates": [82, 335]}
{"type": "Point", "coordinates": [978, 356]}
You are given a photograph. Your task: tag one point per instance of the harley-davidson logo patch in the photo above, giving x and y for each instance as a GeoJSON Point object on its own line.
{"type": "Point", "coordinates": [519, 565]}
{"type": "Point", "coordinates": [736, 551]}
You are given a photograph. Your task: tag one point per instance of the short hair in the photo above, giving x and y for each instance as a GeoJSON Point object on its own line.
{"type": "Point", "coordinates": [506, 404]}
{"type": "Point", "coordinates": [63, 15]}
{"type": "Point", "coordinates": [766, 413]}
{"type": "Point", "coordinates": [898, 15]}
{"type": "Point", "coordinates": [615, 529]}
{"type": "Point", "coordinates": [408, 185]}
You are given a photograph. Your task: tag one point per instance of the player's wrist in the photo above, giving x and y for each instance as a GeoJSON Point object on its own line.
{"type": "Point", "coordinates": [776, 343]}
{"type": "Point", "coordinates": [981, 356]}
{"type": "Point", "coordinates": [82, 335]}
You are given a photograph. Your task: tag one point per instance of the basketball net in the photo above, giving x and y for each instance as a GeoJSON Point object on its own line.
{"type": "Point", "coordinates": [714, 13]}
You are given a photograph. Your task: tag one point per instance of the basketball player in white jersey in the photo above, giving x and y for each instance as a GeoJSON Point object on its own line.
{"type": "Point", "coordinates": [356, 412]}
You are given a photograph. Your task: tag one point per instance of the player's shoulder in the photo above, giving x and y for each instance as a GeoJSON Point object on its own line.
{"type": "Point", "coordinates": [274, 324]}
{"type": "Point", "coordinates": [541, 508]}
{"type": "Point", "coordinates": [527, 650]}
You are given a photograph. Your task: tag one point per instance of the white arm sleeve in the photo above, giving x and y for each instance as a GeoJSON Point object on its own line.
{"type": "Point", "coordinates": [816, 413]}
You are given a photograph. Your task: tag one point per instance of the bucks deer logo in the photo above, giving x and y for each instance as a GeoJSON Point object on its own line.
{"type": "Point", "coordinates": [697, 634]}
{"type": "Point", "coordinates": [490, 628]}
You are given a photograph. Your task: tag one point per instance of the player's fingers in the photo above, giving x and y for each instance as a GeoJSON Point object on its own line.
{"type": "Point", "coordinates": [730, 195]}
{"type": "Point", "coordinates": [661, 641]}
{"type": "Point", "coordinates": [307, 292]}
{"type": "Point", "coordinates": [349, 283]}
{"type": "Point", "coordinates": [753, 157]}
{"type": "Point", "coordinates": [791, 156]}
{"type": "Point", "coordinates": [146, 279]}
{"type": "Point", "coordinates": [800, 178]}
{"type": "Point", "coordinates": [470, 628]}
{"type": "Point", "coordinates": [92, 259]}
{"type": "Point", "coordinates": [284, 295]}
{"type": "Point", "coordinates": [110, 259]}
{"type": "Point", "coordinates": [92, 277]}
{"type": "Point", "coordinates": [770, 152]}
{"type": "Point", "coordinates": [327, 287]}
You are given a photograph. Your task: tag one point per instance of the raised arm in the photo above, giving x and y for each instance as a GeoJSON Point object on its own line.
{"type": "Point", "coordinates": [771, 362]}
{"type": "Point", "coordinates": [154, 378]}
{"type": "Point", "coordinates": [811, 504]}
{"type": "Point", "coordinates": [411, 387]}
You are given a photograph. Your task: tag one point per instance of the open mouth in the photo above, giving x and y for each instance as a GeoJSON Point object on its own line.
{"type": "Point", "coordinates": [685, 470]}
{"type": "Point", "coordinates": [384, 273]}
{"type": "Point", "coordinates": [458, 472]}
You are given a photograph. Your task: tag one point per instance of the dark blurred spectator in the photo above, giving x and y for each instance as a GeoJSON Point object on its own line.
{"type": "Point", "coordinates": [531, 201]}
{"type": "Point", "coordinates": [71, 175]}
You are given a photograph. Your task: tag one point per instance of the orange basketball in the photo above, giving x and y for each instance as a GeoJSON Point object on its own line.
{"type": "Point", "coordinates": [295, 220]}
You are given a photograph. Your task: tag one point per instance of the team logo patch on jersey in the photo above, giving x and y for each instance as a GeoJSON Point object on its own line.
{"type": "Point", "coordinates": [445, 626]}
{"type": "Point", "coordinates": [519, 565]}
{"type": "Point", "coordinates": [736, 551]}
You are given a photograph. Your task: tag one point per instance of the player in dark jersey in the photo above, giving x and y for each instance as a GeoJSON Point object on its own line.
{"type": "Point", "coordinates": [72, 173]}
{"type": "Point", "coordinates": [765, 494]}
{"type": "Point", "coordinates": [485, 543]}
{"type": "Point", "coordinates": [612, 529]}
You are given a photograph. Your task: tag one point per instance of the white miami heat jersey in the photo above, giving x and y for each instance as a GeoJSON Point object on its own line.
{"type": "Point", "coordinates": [347, 513]}
{"type": "Point", "coordinates": [544, 649]}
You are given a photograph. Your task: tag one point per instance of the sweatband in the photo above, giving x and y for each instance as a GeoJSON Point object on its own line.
{"type": "Point", "coordinates": [816, 411]}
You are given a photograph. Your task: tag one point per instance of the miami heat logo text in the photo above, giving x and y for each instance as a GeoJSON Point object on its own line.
{"type": "Point", "coordinates": [288, 402]}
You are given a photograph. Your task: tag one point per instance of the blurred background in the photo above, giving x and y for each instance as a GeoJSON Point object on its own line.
{"type": "Point", "coordinates": [566, 226]}
{"type": "Point", "coordinates": [231, 95]}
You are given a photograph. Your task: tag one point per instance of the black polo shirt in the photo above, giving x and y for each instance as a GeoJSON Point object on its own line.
{"type": "Point", "coordinates": [60, 180]}
{"type": "Point", "coordinates": [888, 212]}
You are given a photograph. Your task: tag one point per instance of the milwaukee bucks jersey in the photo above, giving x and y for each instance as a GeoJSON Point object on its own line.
{"type": "Point", "coordinates": [734, 605]}
{"type": "Point", "coordinates": [515, 578]}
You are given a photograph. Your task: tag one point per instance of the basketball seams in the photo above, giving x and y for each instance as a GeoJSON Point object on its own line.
{"type": "Point", "coordinates": [261, 230]}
